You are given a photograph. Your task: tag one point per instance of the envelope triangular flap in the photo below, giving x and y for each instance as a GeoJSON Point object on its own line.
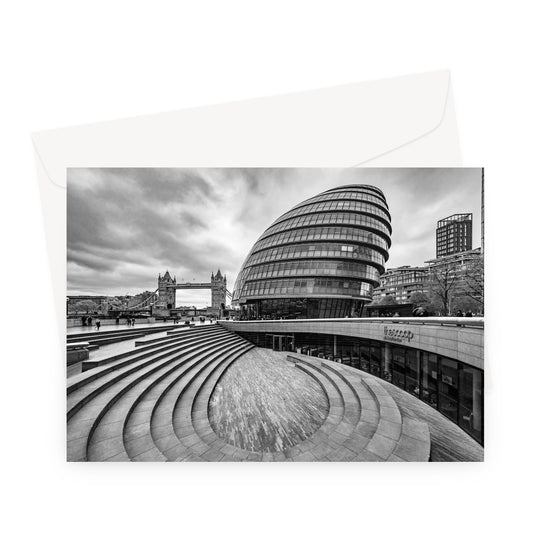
{"type": "Point", "coordinates": [339, 126]}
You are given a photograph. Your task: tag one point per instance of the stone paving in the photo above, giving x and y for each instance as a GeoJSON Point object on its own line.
{"type": "Point", "coordinates": [210, 395]}
{"type": "Point", "coordinates": [264, 404]}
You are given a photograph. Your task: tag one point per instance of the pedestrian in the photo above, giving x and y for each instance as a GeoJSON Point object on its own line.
{"type": "Point", "coordinates": [98, 324]}
{"type": "Point", "coordinates": [459, 313]}
{"type": "Point", "coordinates": [128, 321]}
{"type": "Point", "coordinates": [469, 313]}
{"type": "Point", "coordinates": [90, 321]}
{"type": "Point", "coordinates": [117, 321]}
{"type": "Point", "coordinates": [133, 321]}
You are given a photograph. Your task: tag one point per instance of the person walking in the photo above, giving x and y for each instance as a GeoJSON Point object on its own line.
{"type": "Point", "coordinates": [133, 321]}
{"type": "Point", "coordinates": [98, 324]}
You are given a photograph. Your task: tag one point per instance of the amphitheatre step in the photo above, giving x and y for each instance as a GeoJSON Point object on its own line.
{"type": "Point", "coordinates": [139, 442]}
{"type": "Point", "coordinates": [328, 439]}
{"type": "Point", "coordinates": [414, 442]}
{"type": "Point", "coordinates": [183, 412]}
{"type": "Point", "coordinates": [197, 328]}
{"type": "Point", "coordinates": [85, 387]}
{"type": "Point", "coordinates": [146, 345]}
{"type": "Point", "coordinates": [175, 442]}
{"type": "Point", "coordinates": [181, 332]}
{"type": "Point", "coordinates": [111, 339]}
{"type": "Point", "coordinates": [200, 410]}
{"type": "Point", "coordinates": [173, 402]}
{"type": "Point", "coordinates": [125, 438]}
{"type": "Point", "coordinates": [93, 333]}
{"type": "Point", "coordinates": [161, 344]}
{"type": "Point", "coordinates": [87, 417]}
{"type": "Point", "coordinates": [365, 439]}
{"type": "Point", "coordinates": [395, 438]}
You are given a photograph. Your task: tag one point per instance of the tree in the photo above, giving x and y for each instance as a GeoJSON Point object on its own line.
{"type": "Point", "coordinates": [388, 300]}
{"type": "Point", "coordinates": [82, 306]}
{"type": "Point", "coordinates": [422, 300]}
{"type": "Point", "coordinates": [442, 283]}
{"type": "Point", "coordinates": [474, 281]}
{"type": "Point", "coordinates": [419, 298]}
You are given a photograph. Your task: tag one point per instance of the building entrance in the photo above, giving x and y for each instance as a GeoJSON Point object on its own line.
{"type": "Point", "coordinates": [280, 343]}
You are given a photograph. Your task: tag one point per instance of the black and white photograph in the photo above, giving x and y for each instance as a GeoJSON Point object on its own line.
{"type": "Point", "coordinates": [275, 315]}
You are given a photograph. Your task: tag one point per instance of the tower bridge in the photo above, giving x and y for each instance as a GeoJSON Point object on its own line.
{"type": "Point", "coordinates": [167, 287]}
{"type": "Point", "coordinates": [163, 299]}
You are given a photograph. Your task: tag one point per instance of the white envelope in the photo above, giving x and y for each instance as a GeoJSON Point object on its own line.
{"type": "Point", "coordinates": [400, 122]}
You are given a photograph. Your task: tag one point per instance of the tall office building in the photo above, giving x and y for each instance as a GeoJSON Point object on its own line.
{"type": "Point", "coordinates": [454, 234]}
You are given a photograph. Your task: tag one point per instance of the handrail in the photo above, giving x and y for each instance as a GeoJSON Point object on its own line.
{"type": "Point", "coordinates": [474, 322]}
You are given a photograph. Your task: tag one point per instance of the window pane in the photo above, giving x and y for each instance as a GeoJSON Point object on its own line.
{"type": "Point", "coordinates": [448, 394]}
{"type": "Point", "coordinates": [429, 378]}
{"type": "Point", "coordinates": [471, 401]}
{"type": "Point", "coordinates": [411, 372]}
{"type": "Point", "coordinates": [398, 367]}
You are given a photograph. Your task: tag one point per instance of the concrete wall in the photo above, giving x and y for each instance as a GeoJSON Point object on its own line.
{"type": "Point", "coordinates": [459, 339]}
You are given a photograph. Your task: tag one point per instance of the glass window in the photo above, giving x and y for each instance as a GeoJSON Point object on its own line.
{"type": "Point", "coordinates": [448, 388]}
{"type": "Point", "coordinates": [429, 376]}
{"type": "Point", "coordinates": [375, 360]}
{"type": "Point", "coordinates": [412, 372]}
{"type": "Point", "coordinates": [398, 366]}
{"type": "Point", "coordinates": [471, 401]}
{"type": "Point", "coordinates": [364, 353]}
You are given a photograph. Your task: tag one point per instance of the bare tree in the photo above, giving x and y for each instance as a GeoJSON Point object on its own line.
{"type": "Point", "coordinates": [474, 280]}
{"type": "Point", "coordinates": [442, 284]}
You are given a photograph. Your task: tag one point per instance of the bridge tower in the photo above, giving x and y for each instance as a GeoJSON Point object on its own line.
{"type": "Point", "coordinates": [167, 291]}
{"type": "Point", "coordinates": [218, 291]}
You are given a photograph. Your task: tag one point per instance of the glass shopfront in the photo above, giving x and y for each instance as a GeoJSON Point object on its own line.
{"type": "Point", "coordinates": [453, 388]}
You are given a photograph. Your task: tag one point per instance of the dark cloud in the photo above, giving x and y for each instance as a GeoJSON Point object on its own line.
{"type": "Point", "coordinates": [124, 226]}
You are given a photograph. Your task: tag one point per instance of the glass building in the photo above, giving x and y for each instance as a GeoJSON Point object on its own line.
{"type": "Point", "coordinates": [321, 259]}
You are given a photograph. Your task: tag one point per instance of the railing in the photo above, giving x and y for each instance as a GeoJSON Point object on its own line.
{"type": "Point", "coordinates": [474, 322]}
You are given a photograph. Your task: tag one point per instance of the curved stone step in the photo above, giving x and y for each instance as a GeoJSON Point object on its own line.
{"type": "Point", "coordinates": [139, 441]}
{"type": "Point", "coordinates": [110, 430]}
{"type": "Point", "coordinates": [184, 428]}
{"type": "Point", "coordinates": [358, 424]}
{"type": "Point", "coordinates": [170, 407]}
{"type": "Point", "coordinates": [375, 435]}
{"type": "Point", "coordinates": [123, 357]}
{"type": "Point", "coordinates": [200, 411]}
{"type": "Point", "coordinates": [396, 438]}
{"type": "Point", "coordinates": [87, 389]}
{"type": "Point", "coordinates": [86, 418]}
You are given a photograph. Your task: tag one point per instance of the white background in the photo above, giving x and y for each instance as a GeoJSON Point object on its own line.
{"type": "Point", "coordinates": [67, 63]}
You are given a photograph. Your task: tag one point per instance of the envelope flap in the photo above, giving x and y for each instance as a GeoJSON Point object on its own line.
{"type": "Point", "coordinates": [339, 126]}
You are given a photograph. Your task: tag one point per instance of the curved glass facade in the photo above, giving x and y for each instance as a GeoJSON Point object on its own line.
{"type": "Point", "coordinates": [321, 259]}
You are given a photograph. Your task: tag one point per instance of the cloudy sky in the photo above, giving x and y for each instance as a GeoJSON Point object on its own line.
{"type": "Point", "coordinates": [125, 226]}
